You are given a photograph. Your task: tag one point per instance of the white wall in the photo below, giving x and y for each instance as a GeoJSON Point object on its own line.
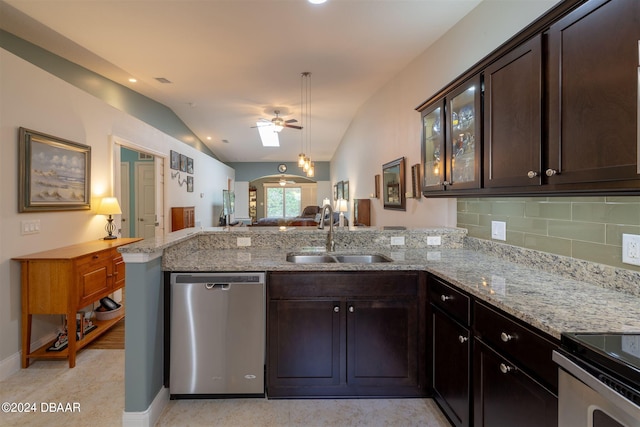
{"type": "Point", "coordinates": [387, 126]}
{"type": "Point", "coordinates": [32, 98]}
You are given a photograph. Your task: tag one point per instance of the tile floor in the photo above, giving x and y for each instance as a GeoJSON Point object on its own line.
{"type": "Point", "coordinates": [100, 397]}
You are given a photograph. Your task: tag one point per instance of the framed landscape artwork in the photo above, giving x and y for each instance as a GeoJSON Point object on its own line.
{"type": "Point", "coordinates": [54, 173]}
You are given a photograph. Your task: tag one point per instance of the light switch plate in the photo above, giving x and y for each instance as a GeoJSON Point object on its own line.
{"type": "Point", "coordinates": [499, 230]}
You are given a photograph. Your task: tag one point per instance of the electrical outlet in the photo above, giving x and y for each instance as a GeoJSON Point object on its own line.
{"type": "Point", "coordinates": [631, 249]}
{"type": "Point", "coordinates": [397, 240]}
{"type": "Point", "coordinates": [499, 230]}
{"type": "Point", "coordinates": [244, 241]}
{"type": "Point", "coordinates": [434, 240]}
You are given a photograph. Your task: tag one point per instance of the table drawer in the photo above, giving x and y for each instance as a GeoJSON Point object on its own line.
{"type": "Point", "coordinates": [528, 348]}
{"type": "Point", "coordinates": [449, 299]}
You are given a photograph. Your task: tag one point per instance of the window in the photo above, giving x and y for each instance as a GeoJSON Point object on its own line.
{"type": "Point", "coordinates": [283, 202]}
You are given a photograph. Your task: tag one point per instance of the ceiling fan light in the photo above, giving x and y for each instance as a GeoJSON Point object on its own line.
{"type": "Point", "coordinates": [277, 128]}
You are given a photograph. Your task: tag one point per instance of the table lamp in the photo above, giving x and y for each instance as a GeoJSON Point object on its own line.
{"type": "Point", "coordinates": [342, 208]}
{"type": "Point", "coordinates": [109, 206]}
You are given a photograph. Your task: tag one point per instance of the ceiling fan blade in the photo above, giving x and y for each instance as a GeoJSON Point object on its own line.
{"type": "Point", "coordinates": [292, 126]}
{"type": "Point", "coordinates": [291, 121]}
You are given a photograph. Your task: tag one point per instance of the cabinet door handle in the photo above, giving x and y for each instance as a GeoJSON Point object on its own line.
{"type": "Point", "coordinates": [505, 337]}
{"type": "Point", "coordinates": [462, 339]}
{"type": "Point", "coordinates": [505, 369]}
{"type": "Point", "coordinates": [552, 172]}
{"type": "Point", "coordinates": [351, 309]}
{"type": "Point", "coordinates": [444, 298]}
{"type": "Point", "coordinates": [532, 174]}
{"type": "Point", "coordinates": [336, 309]}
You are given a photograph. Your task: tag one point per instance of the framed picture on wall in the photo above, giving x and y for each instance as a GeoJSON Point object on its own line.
{"type": "Point", "coordinates": [189, 184]}
{"type": "Point", "coordinates": [175, 160]}
{"type": "Point", "coordinates": [341, 190]}
{"type": "Point", "coordinates": [54, 174]}
{"type": "Point", "coordinates": [335, 191]}
{"type": "Point", "coordinates": [393, 186]}
{"type": "Point", "coordinates": [345, 190]}
{"type": "Point", "coordinates": [183, 163]}
{"type": "Point", "coordinates": [189, 165]}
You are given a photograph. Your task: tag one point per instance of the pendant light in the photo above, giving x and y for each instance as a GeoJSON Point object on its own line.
{"type": "Point", "coordinates": [304, 161]}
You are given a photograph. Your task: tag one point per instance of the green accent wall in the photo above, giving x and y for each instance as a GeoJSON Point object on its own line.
{"type": "Point", "coordinates": [587, 228]}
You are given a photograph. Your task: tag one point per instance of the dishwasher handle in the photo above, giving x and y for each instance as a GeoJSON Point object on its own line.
{"type": "Point", "coordinates": [214, 286]}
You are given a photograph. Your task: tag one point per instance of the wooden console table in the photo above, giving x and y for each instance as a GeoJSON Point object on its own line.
{"type": "Point", "coordinates": [64, 280]}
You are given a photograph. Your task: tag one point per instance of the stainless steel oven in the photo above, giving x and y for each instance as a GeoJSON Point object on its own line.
{"type": "Point", "coordinates": [598, 380]}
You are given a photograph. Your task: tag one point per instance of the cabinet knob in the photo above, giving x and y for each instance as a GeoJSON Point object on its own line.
{"type": "Point", "coordinates": [505, 337]}
{"type": "Point", "coordinates": [505, 369]}
{"type": "Point", "coordinates": [336, 309]}
{"type": "Point", "coordinates": [532, 174]}
{"type": "Point", "coordinates": [551, 172]}
{"type": "Point", "coordinates": [462, 339]}
{"type": "Point", "coordinates": [446, 183]}
{"type": "Point", "coordinates": [444, 298]}
{"type": "Point", "coordinates": [351, 309]}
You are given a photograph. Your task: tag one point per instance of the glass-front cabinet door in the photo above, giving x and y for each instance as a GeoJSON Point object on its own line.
{"type": "Point", "coordinates": [463, 137]}
{"type": "Point", "coordinates": [433, 154]}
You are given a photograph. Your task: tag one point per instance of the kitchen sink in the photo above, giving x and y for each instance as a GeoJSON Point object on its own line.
{"type": "Point", "coordinates": [337, 258]}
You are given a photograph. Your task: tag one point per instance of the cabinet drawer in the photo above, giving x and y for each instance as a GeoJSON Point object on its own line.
{"type": "Point", "coordinates": [449, 299]}
{"type": "Point", "coordinates": [342, 284]}
{"type": "Point", "coordinates": [528, 348]}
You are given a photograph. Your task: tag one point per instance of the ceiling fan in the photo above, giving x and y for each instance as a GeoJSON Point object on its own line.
{"type": "Point", "coordinates": [278, 122]}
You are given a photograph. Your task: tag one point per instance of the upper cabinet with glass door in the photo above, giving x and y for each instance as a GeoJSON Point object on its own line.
{"type": "Point", "coordinates": [463, 138]}
{"type": "Point", "coordinates": [433, 153]}
{"type": "Point", "coordinates": [451, 140]}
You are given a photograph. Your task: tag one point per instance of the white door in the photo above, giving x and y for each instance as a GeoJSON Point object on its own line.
{"type": "Point", "coordinates": [125, 205]}
{"type": "Point", "coordinates": [145, 200]}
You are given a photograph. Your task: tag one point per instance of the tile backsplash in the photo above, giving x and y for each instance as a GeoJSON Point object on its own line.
{"type": "Point", "coordinates": [587, 228]}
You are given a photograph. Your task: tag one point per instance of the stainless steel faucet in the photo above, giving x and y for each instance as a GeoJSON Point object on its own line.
{"type": "Point", "coordinates": [331, 245]}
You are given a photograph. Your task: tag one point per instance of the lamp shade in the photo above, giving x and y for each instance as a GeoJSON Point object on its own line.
{"type": "Point", "coordinates": [109, 206]}
{"type": "Point", "coordinates": [342, 205]}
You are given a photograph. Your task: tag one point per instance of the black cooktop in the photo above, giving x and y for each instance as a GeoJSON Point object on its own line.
{"type": "Point", "coordinates": [617, 354]}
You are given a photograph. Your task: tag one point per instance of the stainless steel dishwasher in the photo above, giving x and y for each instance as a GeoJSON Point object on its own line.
{"type": "Point", "coordinates": [217, 334]}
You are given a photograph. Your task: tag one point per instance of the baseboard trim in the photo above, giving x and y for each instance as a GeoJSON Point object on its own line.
{"type": "Point", "coordinates": [149, 417]}
{"type": "Point", "coordinates": [13, 363]}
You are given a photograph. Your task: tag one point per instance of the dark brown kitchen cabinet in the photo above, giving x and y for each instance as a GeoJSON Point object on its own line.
{"type": "Point", "coordinates": [304, 342]}
{"type": "Point", "coordinates": [450, 340]}
{"type": "Point", "coordinates": [451, 348]}
{"type": "Point", "coordinates": [513, 118]}
{"type": "Point", "coordinates": [504, 395]}
{"type": "Point", "coordinates": [515, 380]}
{"type": "Point", "coordinates": [593, 95]}
{"type": "Point", "coordinates": [451, 159]}
{"type": "Point", "coordinates": [345, 334]}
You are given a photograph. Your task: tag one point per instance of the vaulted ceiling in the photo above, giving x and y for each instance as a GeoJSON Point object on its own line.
{"type": "Point", "coordinates": [232, 62]}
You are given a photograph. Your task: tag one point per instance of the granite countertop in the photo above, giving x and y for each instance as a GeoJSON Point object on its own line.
{"type": "Point", "coordinates": [551, 293]}
{"type": "Point", "coordinates": [546, 301]}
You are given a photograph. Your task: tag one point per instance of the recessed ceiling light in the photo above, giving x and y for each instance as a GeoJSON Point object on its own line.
{"type": "Point", "coordinates": [132, 80]}
{"type": "Point", "coordinates": [317, 1]}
